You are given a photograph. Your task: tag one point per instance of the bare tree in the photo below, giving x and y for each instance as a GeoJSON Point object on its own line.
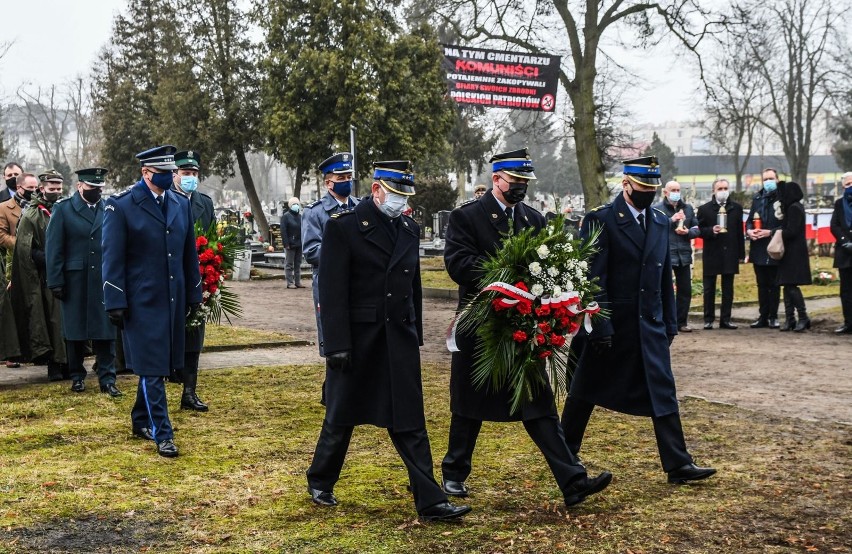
{"type": "Point", "coordinates": [87, 129]}
{"type": "Point", "coordinates": [795, 52]}
{"type": "Point", "coordinates": [48, 122]}
{"type": "Point", "coordinates": [576, 30]}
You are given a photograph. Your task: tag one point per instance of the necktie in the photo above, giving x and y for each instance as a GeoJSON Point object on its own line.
{"type": "Point", "coordinates": [641, 219]}
{"type": "Point", "coordinates": [508, 213]}
{"type": "Point", "coordinates": [161, 203]}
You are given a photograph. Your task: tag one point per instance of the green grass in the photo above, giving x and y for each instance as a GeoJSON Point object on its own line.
{"type": "Point", "coordinates": [226, 335]}
{"type": "Point", "coordinates": [69, 463]}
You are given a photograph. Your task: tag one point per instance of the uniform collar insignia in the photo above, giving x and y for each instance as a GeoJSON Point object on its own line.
{"type": "Point", "coordinates": [494, 216]}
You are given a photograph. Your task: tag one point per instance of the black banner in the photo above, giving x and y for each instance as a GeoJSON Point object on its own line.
{"type": "Point", "coordinates": [499, 79]}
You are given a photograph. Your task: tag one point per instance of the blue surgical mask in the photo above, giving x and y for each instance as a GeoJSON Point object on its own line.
{"type": "Point", "coordinates": [188, 183]}
{"type": "Point", "coordinates": [674, 197]}
{"type": "Point", "coordinates": [342, 188]}
{"type": "Point", "coordinates": [770, 186]}
{"type": "Point", "coordinates": [162, 180]}
{"type": "Point", "coordinates": [295, 208]}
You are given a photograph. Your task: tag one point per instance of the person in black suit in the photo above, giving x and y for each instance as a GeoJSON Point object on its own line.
{"type": "Point", "coordinates": [724, 249]}
{"type": "Point", "coordinates": [475, 231]}
{"type": "Point", "coordinates": [11, 171]}
{"type": "Point", "coordinates": [795, 267]}
{"type": "Point", "coordinates": [372, 323]}
{"type": "Point", "coordinates": [841, 228]}
{"type": "Point", "coordinates": [765, 268]}
{"type": "Point", "coordinates": [624, 364]}
{"type": "Point", "coordinates": [291, 235]}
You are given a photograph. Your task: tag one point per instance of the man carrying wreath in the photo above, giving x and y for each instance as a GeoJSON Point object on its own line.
{"type": "Point", "coordinates": [475, 231]}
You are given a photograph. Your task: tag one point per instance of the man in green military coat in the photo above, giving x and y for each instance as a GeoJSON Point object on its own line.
{"type": "Point", "coordinates": [36, 311]}
{"type": "Point", "coordinates": [74, 278]}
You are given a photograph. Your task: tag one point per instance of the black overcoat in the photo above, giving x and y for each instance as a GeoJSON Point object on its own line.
{"type": "Point", "coordinates": [764, 204]}
{"type": "Point", "coordinates": [680, 246]}
{"type": "Point", "coordinates": [634, 272]}
{"type": "Point", "coordinates": [150, 269]}
{"type": "Point", "coordinates": [722, 252]}
{"type": "Point", "coordinates": [372, 305]}
{"type": "Point", "coordinates": [202, 209]}
{"type": "Point", "coordinates": [794, 268]}
{"type": "Point", "coordinates": [842, 233]}
{"type": "Point", "coordinates": [74, 259]}
{"type": "Point", "coordinates": [475, 230]}
{"type": "Point", "coordinates": [291, 229]}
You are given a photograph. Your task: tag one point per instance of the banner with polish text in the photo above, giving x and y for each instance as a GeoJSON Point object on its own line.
{"type": "Point", "coordinates": [498, 79]}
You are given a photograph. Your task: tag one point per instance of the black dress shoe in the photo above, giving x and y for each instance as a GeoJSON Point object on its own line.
{"type": "Point", "coordinates": [323, 498]}
{"type": "Point", "coordinates": [443, 512]}
{"type": "Point", "coordinates": [689, 472]}
{"type": "Point", "coordinates": [111, 390]}
{"type": "Point", "coordinates": [190, 401]}
{"type": "Point", "coordinates": [843, 330]}
{"type": "Point", "coordinates": [774, 323]}
{"type": "Point", "coordinates": [580, 488]}
{"type": "Point", "coordinates": [802, 324]}
{"type": "Point", "coordinates": [77, 385]}
{"type": "Point", "coordinates": [455, 488]}
{"type": "Point", "coordinates": [143, 433]}
{"type": "Point", "coordinates": [759, 324]}
{"type": "Point", "coordinates": [728, 325]}
{"type": "Point", "coordinates": [708, 326]}
{"type": "Point", "coordinates": [167, 448]}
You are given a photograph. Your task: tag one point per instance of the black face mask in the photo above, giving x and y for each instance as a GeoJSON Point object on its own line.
{"type": "Point", "coordinates": [516, 192]}
{"type": "Point", "coordinates": [51, 197]}
{"type": "Point", "coordinates": [642, 198]}
{"type": "Point", "coordinates": [27, 195]}
{"type": "Point", "coordinates": [92, 196]}
{"type": "Point", "coordinates": [12, 183]}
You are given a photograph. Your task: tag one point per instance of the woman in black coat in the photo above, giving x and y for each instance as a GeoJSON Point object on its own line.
{"type": "Point", "coordinates": [841, 228]}
{"type": "Point", "coordinates": [794, 268]}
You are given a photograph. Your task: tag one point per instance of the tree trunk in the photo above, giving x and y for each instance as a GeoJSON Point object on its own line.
{"type": "Point", "coordinates": [251, 191]}
{"type": "Point", "coordinates": [461, 181]}
{"type": "Point", "coordinates": [595, 191]}
{"type": "Point", "coordinates": [297, 185]}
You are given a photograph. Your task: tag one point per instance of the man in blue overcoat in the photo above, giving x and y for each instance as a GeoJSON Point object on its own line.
{"type": "Point", "coordinates": [624, 363]}
{"type": "Point", "coordinates": [74, 260]}
{"type": "Point", "coordinates": [151, 283]}
{"type": "Point", "coordinates": [337, 177]}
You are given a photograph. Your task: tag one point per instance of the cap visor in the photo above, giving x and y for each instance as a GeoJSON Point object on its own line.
{"type": "Point", "coordinates": [91, 184]}
{"type": "Point", "coordinates": [520, 174]}
{"type": "Point", "coordinates": [399, 188]}
{"type": "Point", "coordinates": [643, 180]}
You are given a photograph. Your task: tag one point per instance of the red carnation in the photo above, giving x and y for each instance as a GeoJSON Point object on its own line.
{"type": "Point", "coordinates": [219, 246]}
{"type": "Point", "coordinates": [217, 259]}
{"type": "Point", "coordinates": [557, 340]}
{"type": "Point", "coordinates": [574, 326]}
{"type": "Point", "coordinates": [545, 354]}
{"type": "Point", "coordinates": [200, 241]}
{"type": "Point", "coordinates": [522, 286]}
{"type": "Point", "coordinates": [524, 307]}
{"type": "Point", "coordinates": [560, 312]}
{"type": "Point", "coordinates": [519, 336]}
{"type": "Point", "coordinates": [564, 321]}
{"type": "Point", "coordinates": [544, 327]}
{"type": "Point", "coordinates": [542, 310]}
{"type": "Point", "coordinates": [213, 289]}
{"type": "Point", "coordinates": [539, 339]}
{"type": "Point", "coordinates": [498, 305]}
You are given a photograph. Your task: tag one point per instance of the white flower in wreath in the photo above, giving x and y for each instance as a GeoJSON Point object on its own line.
{"type": "Point", "coordinates": [552, 271]}
{"type": "Point", "coordinates": [537, 289]}
{"type": "Point", "coordinates": [535, 268]}
{"type": "Point", "coordinates": [584, 265]}
{"type": "Point", "coordinates": [543, 251]}
{"type": "Point", "coordinates": [569, 285]}
{"type": "Point", "coordinates": [557, 291]}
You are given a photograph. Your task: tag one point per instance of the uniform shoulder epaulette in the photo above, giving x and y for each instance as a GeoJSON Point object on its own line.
{"type": "Point", "coordinates": [527, 206]}
{"type": "Point", "coordinates": [125, 192]}
{"type": "Point", "coordinates": [341, 214]}
{"type": "Point", "coordinates": [602, 206]}
{"type": "Point", "coordinates": [312, 204]}
{"type": "Point", "coordinates": [471, 201]}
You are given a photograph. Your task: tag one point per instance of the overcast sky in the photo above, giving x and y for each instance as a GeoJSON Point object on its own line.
{"type": "Point", "coordinates": [55, 40]}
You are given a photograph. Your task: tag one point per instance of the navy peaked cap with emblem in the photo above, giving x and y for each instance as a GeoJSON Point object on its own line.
{"type": "Point", "coordinates": [395, 175]}
{"type": "Point", "coordinates": [159, 157]}
{"type": "Point", "coordinates": [188, 159]}
{"type": "Point", "coordinates": [92, 176]}
{"type": "Point", "coordinates": [337, 163]}
{"type": "Point", "coordinates": [516, 163]}
{"type": "Point", "coordinates": [644, 171]}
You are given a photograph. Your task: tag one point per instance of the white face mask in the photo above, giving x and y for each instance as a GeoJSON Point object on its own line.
{"type": "Point", "coordinates": [394, 204]}
{"type": "Point", "coordinates": [722, 196]}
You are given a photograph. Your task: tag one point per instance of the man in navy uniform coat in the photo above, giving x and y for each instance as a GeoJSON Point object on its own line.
{"type": "Point", "coordinates": [475, 231]}
{"type": "Point", "coordinates": [74, 260]}
{"type": "Point", "coordinates": [337, 177]}
{"type": "Point", "coordinates": [188, 163]}
{"type": "Point", "coordinates": [372, 319]}
{"type": "Point", "coordinates": [624, 362]}
{"type": "Point", "coordinates": [151, 281]}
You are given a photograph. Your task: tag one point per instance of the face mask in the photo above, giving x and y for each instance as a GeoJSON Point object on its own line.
{"type": "Point", "coordinates": [516, 192]}
{"type": "Point", "coordinates": [188, 183]}
{"type": "Point", "coordinates": [722, 196]}
{"type": "Point", "coordinates": [12, 183]}
{"type": "Point", "coordinates": [162, 180]}
{"type": "Point", "coordinates": [51, 197]}
{"type": "Point", "coordinates": [770, 186]}
{"type": "Point", "coordinates": [92, 196]}
{"type": "Point", "coordinates": [642, 198]}
{"type": "Point", "coordinates": [342, 188]}
{"type": "Point", "coordinates": [27, 195]}
{"type": "Point", "coordinates": [295, 208]}
{"type": "Point", "coordinates": [674, 197]}
{"type": "Point", "coordinates": [394, 204]}
{"type": "Point", "coordinates": [847, 192]}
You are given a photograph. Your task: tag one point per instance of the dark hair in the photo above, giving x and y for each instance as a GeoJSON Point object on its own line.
{"type": "Point", "coordinates": [772, 169]}
{"type": "Point", "coordinates": [12, 164]}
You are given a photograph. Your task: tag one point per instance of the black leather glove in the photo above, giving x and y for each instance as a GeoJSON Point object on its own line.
{"type": "Point", "coordinates": [847, 246]}
{"type": "Point", "coordinates": [671, 339]}
{"type": "Point", "coordinates": [58, 293]}
{"type": "Point", "coordinates": [339, 361]}
{"type": "Point", "coordinates": [193, 309]}
{"type": "Point", "coordinates": [116, 317]}
{"type": "Point", "coordinates": [601, 345]}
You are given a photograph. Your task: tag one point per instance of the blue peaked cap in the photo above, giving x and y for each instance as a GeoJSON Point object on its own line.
{"type": "Point", "coordinates": [644, 170]}
{"type": "Point", "coordinates": [516, 163]}
{"type": "Point", "coordinates": [159, 157]}
{"type": "Point", "coordinates": [337, 163]}
{"type": "Point", "coordinates": [395, 175]}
